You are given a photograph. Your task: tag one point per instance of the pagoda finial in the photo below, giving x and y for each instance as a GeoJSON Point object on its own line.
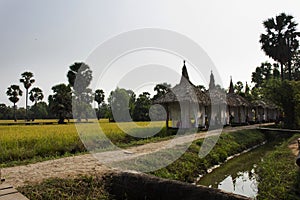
{"type": "Point", "coordinates": [185, 76]}
{"type": "Point", "coordinates": [211, 81]}
{"type": "Point", "coordinates": [231, 89]}
{"type": "Point", "coordinates": [247, 89]}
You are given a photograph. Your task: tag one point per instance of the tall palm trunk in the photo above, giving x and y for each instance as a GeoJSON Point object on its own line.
{"type": "Point", "coordinates": [15, 116]}
{"type": "Point", "coordinates": [26, 117]}
{"type": "Point", "coordinates": [290, 70]}
{"type": "Point", "coordinates": [282, 73]}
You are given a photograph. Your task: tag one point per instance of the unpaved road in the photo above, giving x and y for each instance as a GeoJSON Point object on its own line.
{"type": "Point", "coordinates": [88, 164]}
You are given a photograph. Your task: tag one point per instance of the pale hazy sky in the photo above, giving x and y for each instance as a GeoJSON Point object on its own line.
{"type": "Point", "coordinates": [46, 37]}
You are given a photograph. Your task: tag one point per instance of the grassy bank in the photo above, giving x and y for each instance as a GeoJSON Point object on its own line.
{"type": "Point", "coordinates": [185, 169]}
{"type": "Point", "coordinates": [22, 144]}
{"type": "Point", "coordinates": [85, 187]}
{"type": "Point", "coordinates": [279, 175]}
{"type": "Point", "coordinates": [189, 166]}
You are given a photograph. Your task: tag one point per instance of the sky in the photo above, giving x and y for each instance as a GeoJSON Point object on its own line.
{"type": "Point", "coordinates": [46, 37]}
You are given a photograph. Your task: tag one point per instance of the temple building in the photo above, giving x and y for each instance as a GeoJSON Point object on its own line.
{"type": "Point", "coordinates": [237, 107]}
{"type": "Point", "coordinates": [185, 104]}
{"type": "Point", "coordinates": [190, 106]}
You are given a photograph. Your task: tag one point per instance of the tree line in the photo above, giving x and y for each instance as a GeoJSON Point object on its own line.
{"type": "Point", "coordinates": [278, 82]}
{"type": "Point", "coordinates": [78, 94]}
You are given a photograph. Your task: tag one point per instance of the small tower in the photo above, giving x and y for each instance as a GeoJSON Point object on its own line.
{"type": "Point", "coordinates": [185, 76]}
{"type": "Point", "coordinates": [212, 84]}
{"type": "Point", "coordinates": [231, 89]}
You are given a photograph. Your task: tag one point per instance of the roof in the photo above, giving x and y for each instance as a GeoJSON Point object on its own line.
{"type": "Point", "coordinates": [264, 104]}
{"type": "Point", "coordinates": [216, 96]}
{"type": "Point", "coordinates": [234, 99]}
{"type": "Point", "coordinates": [184, 91]}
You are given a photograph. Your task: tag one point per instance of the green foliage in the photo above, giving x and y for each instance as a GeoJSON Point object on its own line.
{"type": "Point", "coordinates": [141, 108]}
{"type": "Point", "coordinates": [189, 166]}
{"type": "Point", "coordinates": [121, 103]}
{"type": "Point", "coordinates": [84, 187]}
{"type": "Point", "coordinates": [99, 96]}
{"type": "Point", "coordinates": [285, 94]}
{"type": "Point", "coordinates": [21, 144]}
{"type": "Point", "coordinates": [295, 66]}
{"type": "Point", "coordinates": [279, 176]}
{"type": "Point", "coordinates": [238, 88]}
{"type": "Point", "coordinates": [280, 40]}
{"type": "Point", "coordinates": [40, 110]}
{"type": "Point", "coordinates": [265, 72]}
{"type": "Point", "coordinates": [36, 94]}
{"type": "Point", "coordinates": [161, 89]}
{"type": "Point", "coordinates": [60, 103]}
{"type": "Point", "coordinates": [80, 77]}
{"type": "Point", "coordinates": [13, 92]}
{"type": "Point", "coordinates": [27, 79]}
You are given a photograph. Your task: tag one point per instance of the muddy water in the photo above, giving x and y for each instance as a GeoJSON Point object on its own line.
{"type": "Point", "coordinates": [238, 175]}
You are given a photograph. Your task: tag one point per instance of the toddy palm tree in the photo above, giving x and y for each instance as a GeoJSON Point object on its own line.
{"type": "Point", "coordinates": [280, 40]}
{"type": "Point", "coordinates": [14, 92]}
{"type": "Point", "coordinates": [27, 80]}
{"type": "Point", "coordinates": [99, 98]}
{"type": "Point", "coordinates": [36, 94]}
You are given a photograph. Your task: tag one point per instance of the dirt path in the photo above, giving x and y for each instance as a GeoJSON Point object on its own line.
{"type": "Point", "coordinates": [87, 164]}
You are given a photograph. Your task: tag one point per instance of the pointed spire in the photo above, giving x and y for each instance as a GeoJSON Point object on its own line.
{"type": "Point", "coordinates": [231, 89]}
{"type": "Point", "coordinates": [247, 89]}
{"type": "Point", "coordinates": [212, 81]}
{"type": "Point", "coordinates": [185, 75]}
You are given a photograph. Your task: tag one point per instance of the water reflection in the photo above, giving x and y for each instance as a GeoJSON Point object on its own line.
{"type": "Point", "coordinates": [239, 174]}
{"type": "Point", "coordinates": [244, 183]}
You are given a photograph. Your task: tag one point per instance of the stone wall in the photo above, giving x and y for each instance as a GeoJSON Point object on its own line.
{"type": "Point", "coordinates": [137, 186]}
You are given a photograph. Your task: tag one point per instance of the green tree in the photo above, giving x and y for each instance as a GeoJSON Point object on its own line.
{"type": "Point", "coordinates": [60, 103]}
{"type": "Point", "coordinates": [296, 66]}
{"type": "Point", "coordinates": [121, 104]}
{"type": "Point", "coordinates": [280, 40]}
{"type": "Point", "coordinates": [40, 110]}
{"type": "Point", "coordinates": [286, 95]}
{"type": "Point", "coordinates": [161, 89]}
{"type": "Point", "coordinates": [80, 77]}
{"type": "Point", "coordinates": [27, 80]}
{"type": "Point", "coordinates": [99, 98]}
{"type": "Point", "coordinates": [142, 106]}
{"type": "Point", "coordinates": [103, 110]}
{"type": "Point", "coordinates": [262, 73]}
{"type": "Point", "coordinates": [238, 87]}
{"type": "Point", "coordinates": [4, 111]}
{"type": "Point", "coordinates": [13, 92]}
{"type": "Point", "coordinates": [36, 94]}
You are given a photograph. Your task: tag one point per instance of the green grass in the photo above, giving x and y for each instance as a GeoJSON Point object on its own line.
{"type": "Point", "coordinates": [85, 187]}
{"type": "Point", "coordinates": [189, 165]}
{"type": "Point", "coordinates": [21, 144]}
{"type": "Point", "coordinates": [279, 175]}
{"type": "Point", "coordinates": [186, 168]}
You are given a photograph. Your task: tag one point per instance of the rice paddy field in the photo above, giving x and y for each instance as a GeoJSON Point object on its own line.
{"type": "Point", "coordinates": [21, 144]}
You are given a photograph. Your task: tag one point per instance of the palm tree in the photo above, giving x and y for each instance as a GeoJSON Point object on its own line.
{"type": "Point", "coordinates": [27, 81]}
{"type": "Point", "coordinates": [14, 92]}
{"type": "Point", "coordinates": [36, 94]}
{"type": "Point", "coordinates": [280, 41]}
{"type": "Point", "coordinates": [99, 98]}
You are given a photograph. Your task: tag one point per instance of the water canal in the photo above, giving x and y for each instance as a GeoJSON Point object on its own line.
{"type": "Point", "coordinates": [238, 175]}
